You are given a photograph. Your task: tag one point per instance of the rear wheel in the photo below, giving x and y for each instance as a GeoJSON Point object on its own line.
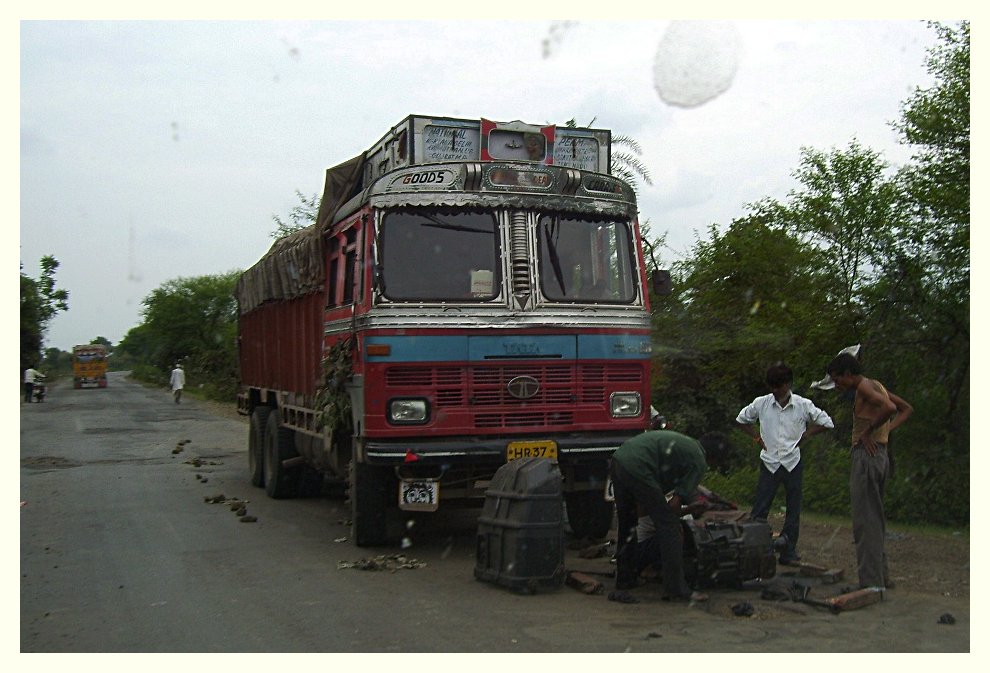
{"type": "Point", "coordinates": [256, 441]}
{"type": "Point", "coordinates": [278, 447]}
{"type": "Point", "coordinates": [369, 494]}
{"type": "Point", "coordinates": [589, 513]}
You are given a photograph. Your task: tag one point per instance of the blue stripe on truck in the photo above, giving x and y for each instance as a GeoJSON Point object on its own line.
{"type": "Point", "coordinates": [510, 347]}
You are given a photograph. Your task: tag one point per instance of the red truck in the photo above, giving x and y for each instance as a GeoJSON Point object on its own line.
{"type": "Point", "coordinates": [472, 292]}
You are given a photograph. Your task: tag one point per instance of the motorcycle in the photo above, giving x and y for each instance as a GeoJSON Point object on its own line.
{"type": "Point", "coordinates": [39, 392]}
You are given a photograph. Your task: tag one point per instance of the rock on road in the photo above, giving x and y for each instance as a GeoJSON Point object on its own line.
{"type": "Point", "coordinates": [122, 550]}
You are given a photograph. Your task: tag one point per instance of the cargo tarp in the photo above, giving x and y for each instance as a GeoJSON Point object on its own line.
{"type": "Point", "coordinates": [342, 183]}
{"type": "Point", "coordinates": [293, 266]}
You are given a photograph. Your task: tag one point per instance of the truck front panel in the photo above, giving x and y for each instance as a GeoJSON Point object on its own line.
{"type": "Point", "coordinates": [477, 386]}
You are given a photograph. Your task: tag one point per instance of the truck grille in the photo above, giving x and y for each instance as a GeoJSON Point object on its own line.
{"type": "Point", "coordinates": [481, 387]}
{"type": "Point", "coordinates": [523, 419]}
{"type": "Point", "coordinates": [488, 384]}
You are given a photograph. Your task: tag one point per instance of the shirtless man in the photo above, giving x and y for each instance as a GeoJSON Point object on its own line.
{"type": "Point", "coordinates": [876, 413]}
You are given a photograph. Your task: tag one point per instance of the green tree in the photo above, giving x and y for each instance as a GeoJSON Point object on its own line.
{"type": "Point", "coordinates": [626, 162]}
{"type": "Point", "coordinates": [927, 282]}
{"type": "Point", "coordinates": [854, 254]}
{"type": "Point", "coordinates": [103, 341]}
{"type": "Point", "coordinates": [301, 216]}
{"type": "Point", "coordinates": [847, 206]}
{"type": "Point", "coordinates": [135, 351]}
{"type": "Point", "coordinates": [31, 325]}
{"type": "Point", "coordinates": [745, 298]}
{"type": "Point", "coordinates": [40, 302]}
{"type": "Point", "coordinates": [936, 268]}
{"type": "Point", "coordinates": [57, 363]}
{"type": "Point", "coordinates": [192, 321]}
{"type": "Point", "coordinates": [935, 122]}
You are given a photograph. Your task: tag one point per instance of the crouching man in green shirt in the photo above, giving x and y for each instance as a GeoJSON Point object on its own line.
{"type": "Point", "coordinates": [644, 469]}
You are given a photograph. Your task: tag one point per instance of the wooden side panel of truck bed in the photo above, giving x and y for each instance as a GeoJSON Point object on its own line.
{"type": "Point", "coordinates": [281, 344]}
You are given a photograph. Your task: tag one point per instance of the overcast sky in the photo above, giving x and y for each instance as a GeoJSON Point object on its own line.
{"type": "Point", "coordinates": [155, 150]}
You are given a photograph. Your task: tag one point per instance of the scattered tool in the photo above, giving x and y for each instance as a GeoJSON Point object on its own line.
{"type": "Point", "coordinates": [598, 573]}
{"type": "Point", "coordinates": [584, 583]}
{"type": "Point", "coordinates": [851, 600]}
{"type": "Point", "coordinates": [825, 575]}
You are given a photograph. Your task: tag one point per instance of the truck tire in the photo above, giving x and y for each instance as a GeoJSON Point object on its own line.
{"type": "Point", "coordinates": [279, 446]}
{"type": "Point", "coordinates": [256, 441]}
{"type": "Point", "coordinates": [589, 514]}
{"type": "Point", "coordinates": [369, 495]}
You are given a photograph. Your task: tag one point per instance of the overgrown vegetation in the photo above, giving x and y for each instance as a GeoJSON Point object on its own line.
{"type": "Point", "coordinates": [192, 321]}
{"type": "Point", "coordinates": [40, 302]}
{"type": "Point", "coordinates": [858, 253]}
{"type": "Point", "coordinates": [332, 400]}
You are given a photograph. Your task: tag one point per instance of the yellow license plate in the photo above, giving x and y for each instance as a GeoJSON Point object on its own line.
{"type": "Point", "coordinates": [542, 449]}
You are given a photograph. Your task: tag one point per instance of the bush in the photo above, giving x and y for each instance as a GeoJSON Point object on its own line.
{"type": "Point", "coordinates": [826, 485]}
{"type": "Point", "coordinates": [220, 392]}
{"type": "Point", "coordinates": [149, 374]}
{"type": "Point", "coordinates": [918, 494]}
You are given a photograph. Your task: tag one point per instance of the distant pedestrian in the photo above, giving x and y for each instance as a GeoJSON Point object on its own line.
{"type": "Point", "coordinates": [876, 413]}
{"type": "Point", "coordinates": [785, 420]}
{"type": "Point", "coordinates": [31, 376]}
{"type": "Point", "coordinates": [177, 381]}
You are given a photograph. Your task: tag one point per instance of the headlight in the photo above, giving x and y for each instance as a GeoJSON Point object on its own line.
{"type": "Point", "coordinates": [625, 405]}
{"type": "Point", "coordinates": [414, 410]}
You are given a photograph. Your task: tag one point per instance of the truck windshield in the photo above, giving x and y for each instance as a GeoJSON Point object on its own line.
{"type": "Point", "coordinates": [586, 260]}
{"type": "Point", "coordinates": [431, 254]}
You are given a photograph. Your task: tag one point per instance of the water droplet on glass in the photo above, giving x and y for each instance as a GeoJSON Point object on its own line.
{"type": "Point", "coordinates": [696, 61]}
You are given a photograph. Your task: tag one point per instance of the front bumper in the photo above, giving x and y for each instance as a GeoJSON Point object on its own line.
{"type": "Point", "coordinates": [485, 450]}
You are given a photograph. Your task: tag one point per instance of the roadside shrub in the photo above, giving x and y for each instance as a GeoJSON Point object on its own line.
{"type": "Point", "coordinates": [826, 485]}
{"type": "Point", "coordinates": [924, 494]}
{"type": "Point", "coordinates": [149, 374]}
{"type": "Point", "coordinates": [219, 392]}
{"type": "Point", "coordinates": [826, 477]}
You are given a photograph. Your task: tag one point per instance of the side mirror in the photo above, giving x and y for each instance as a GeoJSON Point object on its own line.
{"type": "Point", "coordinates": [662, 285]}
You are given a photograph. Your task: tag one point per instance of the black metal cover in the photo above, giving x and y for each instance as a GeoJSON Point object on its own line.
{"type": "Point", "coordinates": [521, 527]}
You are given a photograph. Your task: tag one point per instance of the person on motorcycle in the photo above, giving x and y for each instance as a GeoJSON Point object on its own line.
{"type": "Point", "coordinates": [31, 377]}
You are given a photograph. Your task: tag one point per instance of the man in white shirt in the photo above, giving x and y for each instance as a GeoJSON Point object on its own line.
{"type": "Point", "coordinates": [31, 376]}
{"type": "Point", "coordinates": [177, 381]}
{"type": "Point", "coordinates": [785, 420]}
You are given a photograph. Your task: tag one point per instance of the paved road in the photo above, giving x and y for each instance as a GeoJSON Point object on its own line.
{"type": "Point", "coordinates": [121, 552]}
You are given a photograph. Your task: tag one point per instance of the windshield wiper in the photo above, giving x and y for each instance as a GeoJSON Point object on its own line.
{"type": "Point", "coordinates": [440, 224]}
{"type": "Point", "coordinates": [552, 250]}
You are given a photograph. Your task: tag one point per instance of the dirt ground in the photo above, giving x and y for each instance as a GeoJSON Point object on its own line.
{"type": "Point", "coordinates": [923, 561]}
{"type": "Point", "coordinates": [920, 561]}
{"type": "Point", "coordinates": [930, 567]}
